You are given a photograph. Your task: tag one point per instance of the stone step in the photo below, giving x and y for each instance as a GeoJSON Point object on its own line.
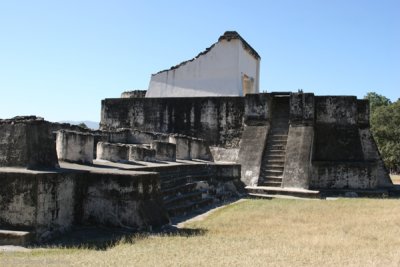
{"type": "Point", "coordinates": [173, 182]}
{"type": "Point", "coordinates": [188, 187]}
{"type": "Point", "coordinates": [15, 238]}
{"type": "Point", "coordinates": [276, 141]}
{"type": "Point", "coordinates": [272, 179]}
{"type": "Point", "coordinates": [278, 136]}
{"type": "Point", "coordinates": [276, 146]}
{"type": "Point", "coordinates": [274, 157]}
{"type": "Point", "coordinates": [183, 208]}
{"type": "Point", "coordinates": [272, 184]}
{"type": "Point", "coordinates": [273, 161]}
{"type": "Point", "coordinates": [272, 171]}
{"type": "Point", "coordinates": [275, 152]}
{"type": "Point", "coordinates": [272, 174]}
{"type": "Point", "coordinates": [271, 191]}
{"type": "Point", "coordinates": [268, 196]}
{"type": "Point", "coordinates": [191, 196]}
{"type": "Point", "coordinates": [173, 175]}
{"type": "Point", "coordinates": [271, 166]}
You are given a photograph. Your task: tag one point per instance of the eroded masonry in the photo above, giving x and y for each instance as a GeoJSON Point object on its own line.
{"type": "Point", "coordinates": [159, 155]}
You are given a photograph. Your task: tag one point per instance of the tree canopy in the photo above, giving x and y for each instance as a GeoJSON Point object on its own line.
{"type": "Point", "coordinates": [385, 127]}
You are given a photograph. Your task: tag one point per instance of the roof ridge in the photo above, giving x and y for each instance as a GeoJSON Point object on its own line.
{"type": "Point", "coordinates": [228, 35]}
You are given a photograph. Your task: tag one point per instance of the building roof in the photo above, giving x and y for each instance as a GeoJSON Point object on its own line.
{"type": "Point", "coordinates": [228, 36]}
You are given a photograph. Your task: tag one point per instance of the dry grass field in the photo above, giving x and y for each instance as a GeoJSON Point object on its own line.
{"type": "Point", "coordinates": [279, 232]}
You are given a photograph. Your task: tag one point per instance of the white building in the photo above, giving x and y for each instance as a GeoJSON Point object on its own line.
{"type": "Point", "coordinates": [230, 67]}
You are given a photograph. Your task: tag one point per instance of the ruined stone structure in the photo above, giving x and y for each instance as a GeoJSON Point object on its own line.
{"type": "Point", "coordinates": [164, 155]}
{"type": "Point", "coordinates": [281, 140]}
{"type": "Point", "coordinates": [53, 181]}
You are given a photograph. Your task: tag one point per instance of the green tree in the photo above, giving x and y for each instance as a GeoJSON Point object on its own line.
{"type": "Point", "coordinates": [376, 100]}
{"type": "Point", "coordinates": [385, 127]}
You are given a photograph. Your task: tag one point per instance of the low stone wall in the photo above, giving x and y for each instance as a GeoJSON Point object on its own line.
{"type": "Point", "coordinates": [49, 203]}
{"type": "Point", "coordinates": [221, 154]}
{"type": "Point", "coordinates": [141, 153]}
{"type": "Point", "coordinates": [121, 200]}
{"type": "Point", "coordinates": [38, 202]}
{"type": "Point", "coordinates": [113, 152]}
{"type": "Point", "coordinates": [75, 146]}
{"type": "Point", "coordinates": [164, 151]}
{"type": "Point", "coordinates": [344, 175]}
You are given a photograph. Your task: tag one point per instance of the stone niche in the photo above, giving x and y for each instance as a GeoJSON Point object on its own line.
{"type": "Point", "coordinates": [27, 142]}
{"type": "Point", "coordinates": [75, 146]}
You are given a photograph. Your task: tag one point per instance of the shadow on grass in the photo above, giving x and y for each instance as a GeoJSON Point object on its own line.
{"type": "Point", "coordinates": [103, 238]}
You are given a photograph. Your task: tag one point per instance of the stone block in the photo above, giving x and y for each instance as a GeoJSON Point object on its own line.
{"type": "Point", "coordinates": [164, 151]}
{"type": "Point", "coordinates": [27, 142]}
{"type": "Point", "coordinates": [113, 152]}
{"type": "Point", "coordinates": [182, 146]}
{"type": "Point", "coordinates": [141, 153]}
{"type": "Point", "coordinates": [75, 146]}
{"type": "Point", "coordinates": [199, 149]}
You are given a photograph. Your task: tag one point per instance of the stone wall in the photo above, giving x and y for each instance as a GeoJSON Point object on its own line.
{"type": "Point", "coordinates": [39, 202]}
{"type": "Point", "coordinates": [48, 203]}
{"type": "Point", "coordinates": [215, 119]}
{"type": "Point", "coordinates": [218, 120]}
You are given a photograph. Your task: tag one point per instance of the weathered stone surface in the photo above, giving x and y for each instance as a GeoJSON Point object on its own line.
{"type": "Point", "coordinates": [134, 93]}
{"type": "Point", "coordinates": [27, 142]}
{"type": "Point", "coordinates": [183, 145]}
{"type": "Point", "coordinates": [257, 108]}
{"type": "Point", "coordinates": [121, 200]}
{"type": "Point", "coordinates": [218, 120]}
{"type": "Point", "coordinates": [297, 170]}
{"type": "Point", "coordinates": [221, 154]}
{"type": "Point", "coordinates": [363, 113]}
{"type": "Point", "coordinates": [371, 154]}
{"type": "Point", "coordinates": [199, 149]}
{"type": "Point", "coordinates": [302, 109]}
{"type": "Point", "coordinates": [337, 143]}
{"type": "Point", "coordinates": [40, 202]}
{"type": "Point", "coordinates": [75, 146]}
{"type": "Point", "coordinates": [49, 203]}
{"type": "Point", "coordinates": [141, 153]}
{"type": "Point", "coordinates": [164, 151]}
{"type": "Point", "coordinates": [251, 152]}
{"type": "Point", "coordinates": [113, 152]}
{"type": "Point", "coordinates": [336, 109]}
{"type": "Point", "coordinates": [344, 175]}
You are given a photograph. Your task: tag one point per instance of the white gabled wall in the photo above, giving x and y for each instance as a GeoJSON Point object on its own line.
{"type": "Point", "coordinates": [218, 72]}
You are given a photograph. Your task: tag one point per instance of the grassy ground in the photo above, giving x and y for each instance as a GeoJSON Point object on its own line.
{"type": "Point", "coordinates": [346, 232]}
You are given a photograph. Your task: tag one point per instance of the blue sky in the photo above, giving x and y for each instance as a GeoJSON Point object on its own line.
{"type": "Point", "coordinates": [59, 59]}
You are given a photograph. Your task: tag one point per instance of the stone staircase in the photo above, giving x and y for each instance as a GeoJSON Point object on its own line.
{"type": "Point", "coordinates": [181, 193]}
{"type": "Point", "coordinates": [273, 161]}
